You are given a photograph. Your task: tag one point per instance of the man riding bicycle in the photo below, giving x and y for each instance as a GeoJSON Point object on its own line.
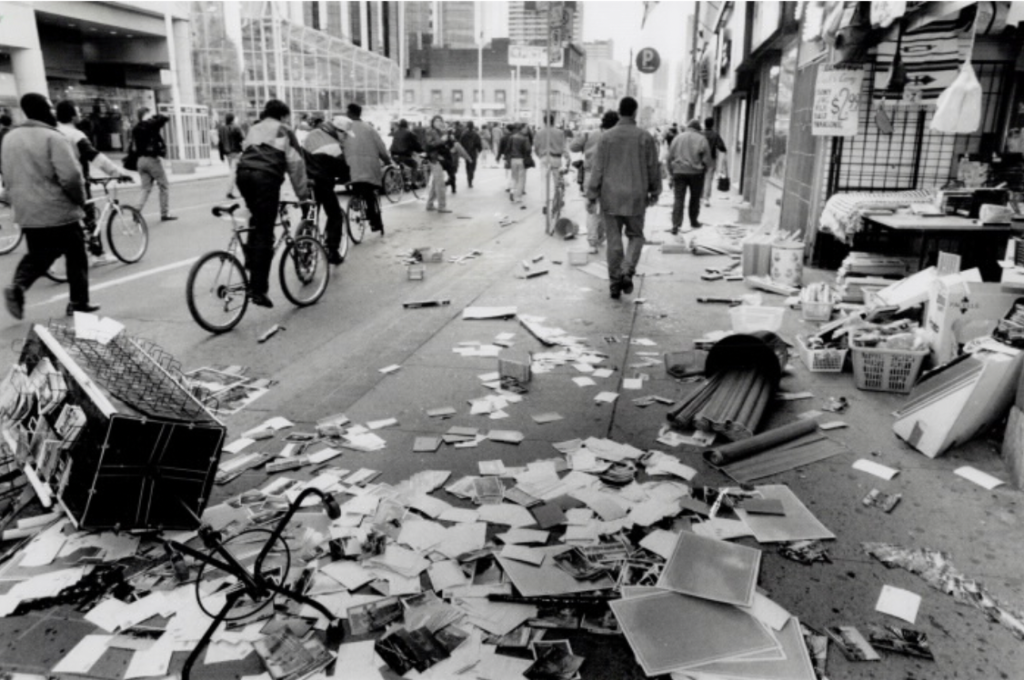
{"type": "Point", "coordinates": [270, 151]}
{"type": "Point", "coordinates": [326, 166]}
{"type": "Point", "coordinates": [405, 145]}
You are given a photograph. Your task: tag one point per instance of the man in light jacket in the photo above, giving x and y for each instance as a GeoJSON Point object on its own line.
{"type": "Point", "coordinates": [689, 158]}
{"type": "Point", "coordinates": [366, 156]}
{"type": "Point", "coordinates": [625, 180]}
{"type": "Point", "coordinates": [587, 144]}
{"type": "Point", "coordinates": [44, 186]}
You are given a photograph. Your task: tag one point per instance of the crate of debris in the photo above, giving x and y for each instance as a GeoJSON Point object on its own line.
{"type": "Point", "coordinates": [821, 359]}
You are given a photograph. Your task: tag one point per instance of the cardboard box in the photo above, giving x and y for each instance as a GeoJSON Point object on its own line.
{"type": "Point", "coordinates": [953, 405]}
{"type": "Point", "coordinates": [1013, 447]}
{"type": "Point", "coordinates": [960, 309]}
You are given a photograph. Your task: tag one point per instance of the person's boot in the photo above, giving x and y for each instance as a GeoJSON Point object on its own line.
{"type": "Point", "coordinates": [14, 298]}
{"type": "Point", "coordinates": [259, 277]}
{"type": "Point", "coordinates": [85, 307]}
{"type": "Point", "coordinates": [334, 256]}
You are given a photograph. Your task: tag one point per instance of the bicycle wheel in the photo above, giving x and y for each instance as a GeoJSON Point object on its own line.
{"type": "Point", "coordinates": [217, 291]}
{"type": "Point", "coordinates": [345, 241]}
{"type": "Point", "coordinates": [356, 214]}
{"type": "Point", "coordinates": [419, 181]}
{"type": "Point", "coordinates": [304, 272]}
{"type": "Point", "coordinates": [127, 234]}
{"type": "Point", "coordinates": [58, 271]}
{"type": "Point", "coordinates": [10, 231]}
{"type": "Point", "coordinates": [393, 184]}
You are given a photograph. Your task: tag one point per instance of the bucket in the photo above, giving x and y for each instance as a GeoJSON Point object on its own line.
{"type": "Point", "coordinates": [788, 263]}
{"type": "Point", "coordinates": [566, 228]}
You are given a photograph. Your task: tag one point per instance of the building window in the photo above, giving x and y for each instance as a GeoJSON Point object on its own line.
{"type": "Point", "coordinates": [456, 96]}
{"type": "Point", "coordinates": [476, 96]}
{"type": "Point", "coordinates": [435, 96]}
{"type": "Point", "coordinates": [499, 96]}
{"type": "Point", "coordinates": [409, 97]}
{"type": "Point", "coordinates": [523, 97]}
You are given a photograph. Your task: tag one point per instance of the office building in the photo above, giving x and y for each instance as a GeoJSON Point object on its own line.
{"type": "Point", "coordinates": [599, 49]}
{"type": "Point", "coordinates": [528, 21]}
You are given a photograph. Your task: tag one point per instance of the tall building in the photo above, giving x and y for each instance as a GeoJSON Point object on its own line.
{"type": "Point", "coordinates": [528, 21]}
{"type": "Point", "coordinates": [599, 49]}
{"type": "Point", "coordinates": [455, 24]}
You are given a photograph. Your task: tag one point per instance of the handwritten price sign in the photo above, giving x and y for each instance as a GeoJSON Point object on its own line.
{"type": "Point", "coordinates": [837, 102]}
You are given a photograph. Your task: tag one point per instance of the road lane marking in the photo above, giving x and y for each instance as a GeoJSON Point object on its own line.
{"type": "Point", "coordinates": [123, 280]}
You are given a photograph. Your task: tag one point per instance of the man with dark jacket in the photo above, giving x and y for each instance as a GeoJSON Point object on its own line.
{"type": "Point", "coordinates": [586, 143]}
{"type": "Point", "coordinates": [404, 144]}
{"type": "Point", "coordinates": [688, 161]}
{"type": "Point", "coordinates": [517, 151]}
{"type": "Point", "coordinates": [717, 145]}
{"type": "Point", "coordinates": [270, 151]}
{"type": "Point", "coordinates": [326, 166]}
{"type": "Point", "coordinates": [229, 144]}
{"type": "Point", "coordinates": [366, 156]}
{"type": "Point", "coordinates": [44, 186]}
{"type": "Point", "coordinates": [473, 145]}
{"type": "Point", "coordinates": [151, 148]}
{"type": "Point", "coordinates": [625, 180]}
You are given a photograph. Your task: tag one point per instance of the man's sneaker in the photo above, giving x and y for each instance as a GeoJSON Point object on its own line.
{"type": "Point", "coordinates": [14, 298]}
{"type": "Point", "coordinates": [430, 208]}
{"type": "Point", "coordinates": [615, 290]}
{"type": "Point", "coordinates": [695, 225]}
{"type": "Point", "coordinates": [627, 284]}
{"type": "Point", "coordinates": [167, 218]}
{"type": "Point", "coordinates": [261, 300]}
{"type": "Point", "coordinates": [335, 257]}
{"type": "Point", "coordinates": [86, 308]}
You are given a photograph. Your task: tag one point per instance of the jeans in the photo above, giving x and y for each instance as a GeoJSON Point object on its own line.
{"type": "Point", "coordinates": [437, 186]}
{"type": "Point", "coordinates": [152, 170]}
{"type": "Point", "coordinates": [595, 227]}
{"type": "Point", "coordinates": [623, 263]}
{"type": "Point", "coordinates": [262, 193]}
{"type": "Point", "coordinates": [709, 180]}
{"type": "Point", "coordinates": [232, 160]}
{"type": "Point", "coordinates": [45, 246]}
{"type": "Point", "coordinates": [518, 179]}
{"type": "Point", "coordinates": [324, 194]}
{"type": "Point", "coordinates": [470, 172]}
{"type": "Point", "coordinates": [370, 193]}
{"type": "Point", "coordinates": [679, 184]}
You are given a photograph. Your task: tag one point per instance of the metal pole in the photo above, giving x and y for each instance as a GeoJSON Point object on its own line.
{"type": "Point", "coordinates": [479, 28]}
{"type": "Point", "coordinates": [547, 111]}
{"type": "Point", "coordinates": [629, 73]}
{"type": "Point", "coordinates": [179, 136]}
{"type": "Point", "coordinates": [402, 58]}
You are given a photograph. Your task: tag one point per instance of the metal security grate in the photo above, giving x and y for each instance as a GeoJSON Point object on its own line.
{"type": "Point", "coordinates": [913, 157]}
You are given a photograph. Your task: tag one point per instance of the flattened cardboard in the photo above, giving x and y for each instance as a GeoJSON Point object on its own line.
{"type": "Point", "coordinates": [797, 524]}
{"type": "Point", "coordinates": [548, 579]}
{"type": "Point", "coordinates": [711, 569]}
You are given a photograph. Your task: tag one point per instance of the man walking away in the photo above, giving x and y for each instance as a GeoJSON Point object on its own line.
{"type": "Point", "coordinates": [150, 147]}
{"type": "Point", "coordinates": [85, 152]}
{"type": "Point", "coordinates": [326, 166]}
{"type": "Point", "coordinates": [473, 146]}
{"type": "Point", "coordinates": [587, 144]}
{"type": "Point", "coordinates": [688, 159]}
{"type": "Point", "coordinates": [44, 186]}
{"type": "Point", "coordinates": [625, 180]}
{"type": "Point", "coordinates": [717, 145]}
{"type": "Point", "coordinates": [366, 156]}
{"type": "Point", "coordinates": [269, 151]}
{"type": "Point", "coordinates": [229, 143]}
{"type": "Point", "coordinates": [518, 152]}
{"type": "Point", "coordinates": [549, 144]}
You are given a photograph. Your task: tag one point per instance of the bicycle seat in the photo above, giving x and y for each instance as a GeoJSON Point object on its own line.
{"type": "Point", "coordinates": [226, 209]}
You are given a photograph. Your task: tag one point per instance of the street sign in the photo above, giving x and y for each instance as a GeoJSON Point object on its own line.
{"type": "Point", "coordinates": [648, 60]}
{"type": "Point", "coordinates": [534, 55]}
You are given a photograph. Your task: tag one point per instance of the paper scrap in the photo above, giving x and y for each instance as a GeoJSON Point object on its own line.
{"type": "Point", "coordinates": [877, 469]}
{"type": "Point", "coordinates": [900, 603]}
{"type": "Point", "coordinates": [389, 369]}
{"type": "Point", "coordinates": [978, 477]}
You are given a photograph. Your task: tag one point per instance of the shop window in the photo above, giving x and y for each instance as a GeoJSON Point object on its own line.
{"type": "Point", "coordinates": [456, 96]}
{"type": "Point", "coordinates": [435, 97]}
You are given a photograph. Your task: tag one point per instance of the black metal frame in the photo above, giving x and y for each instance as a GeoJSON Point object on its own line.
{"type": "Point", "coordinates": [255, 584]}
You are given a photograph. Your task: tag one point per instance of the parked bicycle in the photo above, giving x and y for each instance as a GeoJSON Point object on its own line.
{"type": "Point", "coordinates": [217, 290]}
{"type": "Point", "coordinates": [555, 197]}
{"type": "Point", "coordinates": [125, 228]}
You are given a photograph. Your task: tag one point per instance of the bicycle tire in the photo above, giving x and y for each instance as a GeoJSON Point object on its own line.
{"type": "Point", "coordinates": [394, 184]}
{"type": "Point", "coordinates": [303, 271]}
{"type": "Point", "coordinates": [356, 214]}
{"type": "Point", "coordinates": [58, 271]}
{"type": "Point", "coordinates": [11, 233]}
{"type": "Point", "coordinates": [127, 234]}
{"type": "Point", "coordinates": [418, 182]}
{"type": "Point", "coordinates": [344, 243]}
{"type": "Point", "coordinates": [229, 289]}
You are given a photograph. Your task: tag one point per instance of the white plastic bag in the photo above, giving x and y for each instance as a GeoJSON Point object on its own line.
{"type": "Point", "coordinates": [958, 109]}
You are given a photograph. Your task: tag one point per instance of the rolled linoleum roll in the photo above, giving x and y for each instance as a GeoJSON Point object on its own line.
{"type": "Point", "coordinates": [747, 448]}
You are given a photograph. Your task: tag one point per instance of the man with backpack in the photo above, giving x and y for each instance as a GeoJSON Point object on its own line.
{"type": "Point", "coordinates": [326, 167]}
{"type": "Point", "coordinates": [151, 149]}
{"type": "Point", "coordinates": [229, 143]}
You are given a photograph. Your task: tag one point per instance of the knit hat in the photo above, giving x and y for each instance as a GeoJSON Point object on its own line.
{"type": "Point", "coordinates": [694, 124]}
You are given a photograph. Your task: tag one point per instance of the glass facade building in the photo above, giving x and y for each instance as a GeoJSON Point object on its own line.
{"type": "Point", "coordinates": [248, 52]}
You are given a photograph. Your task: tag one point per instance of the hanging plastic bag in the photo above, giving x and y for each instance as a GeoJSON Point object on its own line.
{"type": "Point", "coordinates": [958, 109]}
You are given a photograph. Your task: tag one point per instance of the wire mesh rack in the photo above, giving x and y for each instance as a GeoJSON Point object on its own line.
{"type": "Point", "coordinates": [137, 372]}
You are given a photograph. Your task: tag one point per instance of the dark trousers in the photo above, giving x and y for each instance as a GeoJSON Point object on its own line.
{"type": "Point", "coordinates": [324, 194]}
{"type": "Point", "coordinates": [370, 194]}
{"type": "Point", "coordinates": [470, 171]}
{"type": "Point", "coordinates": [453, 171]}
{"type": "Point", "coordinates": [262, 193]}
{"type": "Point", "coordinates": [45, 245]}
{"type": "Point", "coordinates": [679, 184]}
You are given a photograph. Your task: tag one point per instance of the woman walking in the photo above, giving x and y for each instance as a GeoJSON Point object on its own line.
{"type": "Point", "coordinates": [436, 141]}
